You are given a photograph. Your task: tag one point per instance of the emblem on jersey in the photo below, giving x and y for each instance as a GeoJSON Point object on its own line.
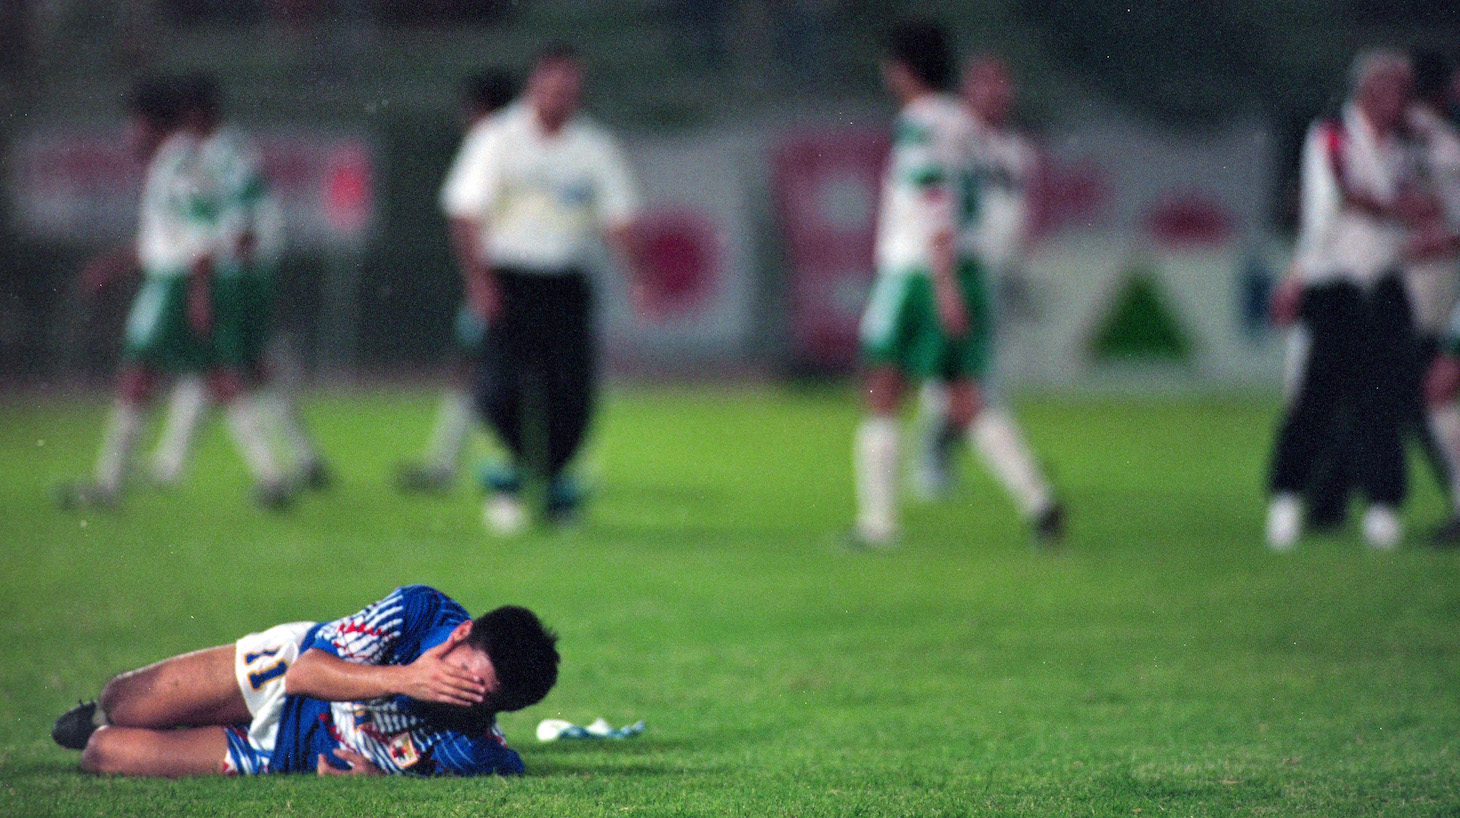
{"type": "Point", "coordinates": [403, 750]}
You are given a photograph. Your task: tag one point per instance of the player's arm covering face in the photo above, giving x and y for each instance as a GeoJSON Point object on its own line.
{"type": "Point", "coordinates": [397, 733]}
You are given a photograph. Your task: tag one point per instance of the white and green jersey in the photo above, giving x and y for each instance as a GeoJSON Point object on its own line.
{"type": "Point", "coordinates": [1006, 165]}
{"type": "Point", "coordinates": [929, 185]}
{"type": "Point", "coordinates": [171, 231]}
{"type": "Point", "coordinates": [232, 192]}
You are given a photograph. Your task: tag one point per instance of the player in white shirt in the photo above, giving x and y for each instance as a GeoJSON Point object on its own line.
{"type": "Point", "coordinates": [247, 234]}
{"type": "Point", "coordinates": [1358, 208]}
{"type": "Point", "coordinates": [483, 95]}
{"type": "Point", "coordinates": [166, 328]}
{"type": "Point", "coordinates": [1433, 271]}
{"type": "Point", "coordinates": [1007, 163]}
{"type": "Point", "coordinates": [531, 198]}
{"type": "Point", "coordinates": [928, 315]}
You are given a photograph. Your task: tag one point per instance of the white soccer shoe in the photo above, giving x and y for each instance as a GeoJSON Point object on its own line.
{"type": "Point", "coordinates": [1284, 523]}
{"type": "Point", "coordinates": [1382, 528]}
{"type": "Point", "coordinates": [504, 515]}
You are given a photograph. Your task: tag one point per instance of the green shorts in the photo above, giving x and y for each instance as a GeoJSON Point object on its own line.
{"type": "Point", "coordinates": [901, 328]}
{"type": "Point", "coordinates": [243, 306]}
{"type": "Point", "coordinates": [158, 334]}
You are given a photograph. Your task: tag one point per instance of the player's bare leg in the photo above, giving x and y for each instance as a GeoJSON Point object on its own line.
{"type": "Point", "coordinates": [163, 753]}
{"type": "Point", "coordinates": [876, 459]}
{"type": "Point", "coordinates": [185, 407]}
{"type": "Point", "coordinates": [248, 426]}
{"type": "Point", "coordinates": [276, 381]}
{"type": "Point", "coordinates": [938, 437]}
{"type": "Point", "coordinates": [434, 473]}
{"type": "Point", "coordinates": [190, 690]}
{"type": "Point", "coordinates": [123, 428]}
{"type": "Point", "coordinates": [1442, 386]}
{"type": "Point", "coordinates": [997, 438]}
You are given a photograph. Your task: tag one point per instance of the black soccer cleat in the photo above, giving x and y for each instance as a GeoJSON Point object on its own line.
{"type": "Point", "coordinates": [411, 478]}
{"type": "Point", "coordinates": [1447, 536]}
{"type": "Point", "coordinates": [1049, 529]}
{"type": "Point", "coordinates": [317, 475]}
{"type": "Point", "coordinates": [82, 495]}
{"type": "Point", "coordinates": [276, 496]}
{"type": "Point", "coordinates": [74, 728]}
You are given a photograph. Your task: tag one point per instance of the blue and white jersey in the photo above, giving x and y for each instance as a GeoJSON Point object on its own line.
{"type": "Point", "coordinates": [396, 733]}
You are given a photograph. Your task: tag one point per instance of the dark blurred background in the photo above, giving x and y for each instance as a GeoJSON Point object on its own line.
{"type": "Point", "coordinates": [1149, 111]}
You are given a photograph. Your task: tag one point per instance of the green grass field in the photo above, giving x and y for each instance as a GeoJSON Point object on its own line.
{"type": "Point", "coordinates": [1163, 663]}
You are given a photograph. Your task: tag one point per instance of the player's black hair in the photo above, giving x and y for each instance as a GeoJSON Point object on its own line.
{"type": "Point", "coordinates": [157, 99]}
{"type": "Point", "coordinates": [1431, 74]}
{"type": "Point", "coordinates": [523, 653]}
{"type": "Point", "coordinates": [202, 95]}
{"type": "Point", "coordinates": [923, 47]}
{"type": "Point", "coordinates": [489, 90]}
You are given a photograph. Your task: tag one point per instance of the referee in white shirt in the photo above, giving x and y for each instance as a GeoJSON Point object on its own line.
{"type": "Point", "coordinates": [1359, 376]}
{"type": "Point", "coordinates": [529, 200]}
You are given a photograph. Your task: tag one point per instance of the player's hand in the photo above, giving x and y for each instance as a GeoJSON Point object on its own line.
{"type": "Point", "coordinates": [1430, 242]}
{"type": "Point", "coordinates": [1287, 301]}
{"type": "Point", "coordinates": [247, 243]}
{"type": "Point", "coordinates": [484, 295]}
{"type": "Point", "coordinates": [1442, 382]}
{"type": "Point", "coordinates": [200, 305]}
{"type": "Point", "coordinates": [1416, 207]}
{"type": "Point", "coordinates": [952, 315]}
{"type": "Point", "coordinates": [358, 764]}
{"type": "Point", "coordinates": [431, 679]}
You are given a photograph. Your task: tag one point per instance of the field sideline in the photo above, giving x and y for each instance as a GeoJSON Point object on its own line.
{"type": "Point", "coordinates": [1164, 663]}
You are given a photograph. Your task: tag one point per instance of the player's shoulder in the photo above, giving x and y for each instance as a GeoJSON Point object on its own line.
{"type": "Point", "coordinates": [488, 127]}
{"type": "Point", "coordinates": [931, 118]}
{"type": "Point", "coordinates": [594, 134]}
{"type": "Point", "coordinates": [177, 149]}
{"type": "Point", "coordinates": [485, 753]}
{"type": "Point", "coordinates": [426, 599]}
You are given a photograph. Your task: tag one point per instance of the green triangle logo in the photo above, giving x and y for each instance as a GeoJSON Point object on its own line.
{"type": "Point", "coordinates": [1140, 327]}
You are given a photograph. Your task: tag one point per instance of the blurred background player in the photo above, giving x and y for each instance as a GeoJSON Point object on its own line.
{"type": "Point", "coordinates": [530, 198]}
{"type": "Point", "coordinates": [928, 315]}
{"type": "Point", "coordinates": [174, 323]}
{"type": "Point", "coordinates": [482, 95]}
{"type": "Point", "coordinates": [248, 242]}
{"type": "Point", "coordinates": [1433, 270]}
{"type": "Point", "coordinates": [1360, 355]}
{"type": "Point", "coordinates": [157, 337]}
{"type": "Point", "coordinates": [1432, 281]}
{"type": "Point", "coordinates": [1006, 164]}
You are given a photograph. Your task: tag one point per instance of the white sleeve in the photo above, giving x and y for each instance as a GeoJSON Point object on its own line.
{"type": "Point", "coordinates": [618, 195]}
{"type": "Point", "coordinates": [1321, 197]}
{"type": "Point", "coordinates": [474, 179]}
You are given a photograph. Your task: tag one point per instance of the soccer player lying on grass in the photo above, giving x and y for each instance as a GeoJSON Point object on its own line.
{"type": "Point", "coordinates": [411, 684]}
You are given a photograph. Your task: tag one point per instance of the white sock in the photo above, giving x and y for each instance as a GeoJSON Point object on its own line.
{"type": "Point", "coordinates": [997, 439]}
{"type": "Point", "coordinates": [184, 410]}
{"type": "Point", "coordinates": [1284, 522]}
{"type": "Point", "coordinates": [1445, 425]}
{"type": "Point", "coordinates": [246, 422]}
{"type": "Point", "coordinates": [933, 402]}
{"type": "Point", "coordinates": [453, 420]}
{"type": "Point", "coordinates": [1382, 528]}
{"type": "Point", "coordinates": [284, 416]}
{"type": "Point", "coordinates": [122, 428]}
{"type": "Point", "coordinates": [876, 467]}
